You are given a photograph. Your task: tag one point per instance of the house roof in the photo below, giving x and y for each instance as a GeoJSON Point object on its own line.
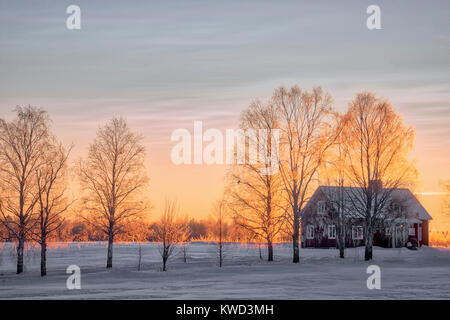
{"type": "Point", "coordinates": [402, 195]}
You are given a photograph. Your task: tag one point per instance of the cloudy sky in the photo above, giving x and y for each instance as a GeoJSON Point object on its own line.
{"type": "Point", "coordinates": [164, 64]}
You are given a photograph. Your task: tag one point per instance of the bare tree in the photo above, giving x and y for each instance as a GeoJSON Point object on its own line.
{"type": "Point", "coordinates": [255, 189]}
{"type": "Point", "coordinates": [167, 231]}
{"type": "Point", "coordinates": [22, 143]}
{"type": "Point", "coordinates": [305, 139]}
{"type": "Point", "coordinates": [52, 203]}
{"type": "Point", "coordinates": [218, 230]}
{"type": "Point", "coordinates": [139, 257]}
{"type": "Point", "coordinates": [3, 233]}
{"type": "Point", "coordinates": [334, 170]}
{"type": "Point", "coordinates": [113, 177]}
{"type": "Point", "coordinates": [339, 215]}
{"type": "Point", "coordinates": [377, 159]}
{"type": "Point", "coordinates": [185, 235]}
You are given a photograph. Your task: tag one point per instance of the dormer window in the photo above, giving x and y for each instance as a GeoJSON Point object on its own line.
{"type": "Point", "coordinates": [396, 208]}
{"type": "Point", "coordinates": [321, 207]}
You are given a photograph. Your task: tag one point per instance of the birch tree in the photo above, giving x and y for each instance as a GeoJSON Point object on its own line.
{"type": "Point", "coordinates": [22, 144]}
{"type": "Point", "coordinates": [113, 178]}
{"type": "Point", "coordinates": [255, 188]}
{"type": "Point", "coordinates": [305, 139]}
{"type": "Point", "coordinates": [185, 235]}
{"type": "Point", "coordinates": [167, 231]}
{"type": "Point", "coordinates": [377, 159]}
{"type": "Point", "coordinates": [52, 202]}
{"type": "Point", "coordinates": [218, 230]}
{"type": "Point", "coordinates": [334, 170]}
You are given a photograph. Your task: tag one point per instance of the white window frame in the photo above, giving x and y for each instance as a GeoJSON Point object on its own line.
{"type": "Point", "coordinates": [411, 230]}
{"type": "Point", "coordinates": [321, 207]}
{"type": "Point", "coordinates": [309, 232]}
{"type": "Point", "coordinates": [388, 230]}
{"type": "Point", "coordinates": [396, 208]}
{"type": "Point", "coordinates": [331, 231]}
{"type": "Point", "coordinates": [355, 233]}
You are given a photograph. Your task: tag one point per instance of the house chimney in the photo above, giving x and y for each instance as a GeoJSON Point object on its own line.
{"type": "Point", "coordinates": [376, 186]}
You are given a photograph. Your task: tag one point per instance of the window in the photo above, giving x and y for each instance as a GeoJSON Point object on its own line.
{"type": "Point", "coordinates": [357, 233]}
{"type": "Point", "coordinates": [331, 231]}
{"type": "Point", "coordinates": [320, 206]}
{"type": "Point", "coordinates": [396, 208]}
{"type": "Point", "coordinates": [388, 230]}
{"type": "Point", "coordinates": [310, 232]}
{"type": "Point", "coordinates": [412, 231]}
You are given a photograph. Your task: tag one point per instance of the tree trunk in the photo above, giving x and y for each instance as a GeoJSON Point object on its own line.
{"type": "Point", "coordinates": [164, 261]}
{"type": "Point", "coordinates": [43, 257]}
{"type": "Point", "coordinates": [110, 250]}
{"type": "Point", "coordinates": [269, 251]}
{"type": "Point", "coordinates": [393, 237]}
{"type": "Point", "coordinates": [20, 247]}
{"type": "Point", "coordinates": [341, 248]}
{"type": "Point", "coordinates": [140, 258]}
{"type": "Point", "coordinates": [369, 244]}
{"type": "Point", "coordinates": [341, 240]}
{"type": "Point", "coordinates": [260, 252]}
{"type": "Point", "coordinates": [220, 255]}
{"type": "Point", "coordinates": [295, 236]}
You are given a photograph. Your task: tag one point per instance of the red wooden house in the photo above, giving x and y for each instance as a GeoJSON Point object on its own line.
{"type": "Point", "coordinates": [403, 219]}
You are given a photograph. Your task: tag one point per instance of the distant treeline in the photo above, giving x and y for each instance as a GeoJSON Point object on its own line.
{"type": "Point", "coordinates": [75, 230]}
{"type": "Point", "coordinates": [439, 239]}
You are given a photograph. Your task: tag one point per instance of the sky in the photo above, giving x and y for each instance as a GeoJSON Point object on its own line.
{"type": "Point", "coordinates": [164, 64]}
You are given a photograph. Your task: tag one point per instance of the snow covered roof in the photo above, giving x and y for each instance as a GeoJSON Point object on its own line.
{"type": "Point", "coordinates": [401, 195]}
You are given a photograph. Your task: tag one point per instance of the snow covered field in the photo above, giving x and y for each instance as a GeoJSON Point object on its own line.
{"type": "Point", "coordinates": [405, 274]}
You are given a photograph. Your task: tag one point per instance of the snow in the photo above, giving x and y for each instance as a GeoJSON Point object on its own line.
{"type": "Point", "coordinates": [405, 274]}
